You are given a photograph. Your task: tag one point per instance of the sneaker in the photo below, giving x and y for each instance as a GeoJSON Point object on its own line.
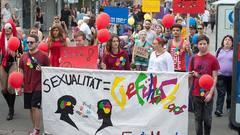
{"type": "Point", "coordinates": [35, 132]}
{"type": "Point", "coordinates": [218, 113]}
{"type": "Point", "coordinates": [228, 110]}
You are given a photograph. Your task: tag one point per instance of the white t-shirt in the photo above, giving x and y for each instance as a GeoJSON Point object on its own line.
{"type": "Point", "coordinates": [6, 15]}
{"type": "Point", "coordinates": [205, 16]}
{"type": "Point", "coordinates": [163, 62]}
{"type": "Point", "coordinates": [86, 30]}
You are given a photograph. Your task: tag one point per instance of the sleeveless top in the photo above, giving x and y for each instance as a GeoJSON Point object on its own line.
{"type": "Point", "coordinates": [55, 53]}
{"type": "Point", "coordinates": [179, 56]}
{"type": "Point", "coordinates": [39, 18]}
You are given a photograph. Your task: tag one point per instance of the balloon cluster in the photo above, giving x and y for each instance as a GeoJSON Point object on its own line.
{"type": "Point", "coordinates": [102, 22]}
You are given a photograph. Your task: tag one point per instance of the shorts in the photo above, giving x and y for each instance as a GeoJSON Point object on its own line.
{"type": "Point", "coordinates": [140, 61]}
{"type": "Point", "coordinates": [205, 24]}
{"type": "Point", "coordinates": [33, 99]}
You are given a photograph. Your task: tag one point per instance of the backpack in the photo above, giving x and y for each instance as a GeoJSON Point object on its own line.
{"type": "Point", "coordinates": [218, 51]}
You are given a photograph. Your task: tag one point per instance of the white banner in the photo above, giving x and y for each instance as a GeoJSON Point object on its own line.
{"type": "Point", "coordinates": [95, 102]}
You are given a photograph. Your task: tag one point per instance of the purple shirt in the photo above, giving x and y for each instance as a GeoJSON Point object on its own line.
{"type": "Point", "coordinates": [225, 59]}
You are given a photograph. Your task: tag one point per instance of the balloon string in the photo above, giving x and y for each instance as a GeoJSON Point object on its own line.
{"type": "Point", "coordinates": [18, 60]}
{"type": "Point", "coordinates": [18, 70]}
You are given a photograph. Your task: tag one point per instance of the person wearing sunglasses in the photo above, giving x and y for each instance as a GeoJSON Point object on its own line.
{"type": "Point", "coordinates": [8, 64]}
{"type": "Point", "coordinates": [30, 65]}
{"type": "Point", "coordinates": [61, 23]}
{"type": "Point", "coordinates": [200, 31]}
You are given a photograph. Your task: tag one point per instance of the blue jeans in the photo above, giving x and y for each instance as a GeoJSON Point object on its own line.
{"type": "Point", "coordinates": [224, 85]}
{"type": "Point", "coordinates": [203, 115]}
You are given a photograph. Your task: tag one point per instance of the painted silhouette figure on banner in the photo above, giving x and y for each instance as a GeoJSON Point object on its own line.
{"type": "Point", "coordinates": [65, 107]}
{"type": "Point", "coordinates": [104, 112]}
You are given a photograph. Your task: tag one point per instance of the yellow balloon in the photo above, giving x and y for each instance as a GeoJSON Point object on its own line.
{"type": "Point", "coordinates": [131, 21]}
{"type": "Point", "coordinates": [147, 17]}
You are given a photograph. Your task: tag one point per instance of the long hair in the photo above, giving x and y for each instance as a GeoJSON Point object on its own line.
{"type": "Point", "coordinates": [2, 38]}
{"type": "Point", "coordinates": [109, 43]}
{"type": "Point", "coordinates": [52, 39]}
{"type": "Point", "coordinates": [222, 44]}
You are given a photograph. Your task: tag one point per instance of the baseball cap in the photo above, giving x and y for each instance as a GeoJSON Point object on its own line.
{"type": "Point", "coordinates": [7, 26]}
{"type": "Point", "coordinates": [86, 18]}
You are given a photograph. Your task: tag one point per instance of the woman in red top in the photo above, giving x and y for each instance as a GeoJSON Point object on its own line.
{"type": "Point", "coordinates": [56, 40]}
{"type": "Point", "coordinates": [114, 58]}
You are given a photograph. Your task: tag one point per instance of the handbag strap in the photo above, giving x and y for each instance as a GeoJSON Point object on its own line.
{"type": "Point", "coordinates": [192, 64]}
{"type": "Point", "coordinates": [35, 63]}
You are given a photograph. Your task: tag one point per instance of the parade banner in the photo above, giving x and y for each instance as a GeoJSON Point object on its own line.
{"type": "Point", "coordinates": [141, 52]}
{"type": "Point", "coordinates": [79, 57]}
{"type": "Point", "coordinates": [117, 15]}
{"type": "Point", "coordinates": [151, 5]}
{"type": "Point", "coordinates": [97, 102]}
{"type": "Point", "coordinates": [188, 6]}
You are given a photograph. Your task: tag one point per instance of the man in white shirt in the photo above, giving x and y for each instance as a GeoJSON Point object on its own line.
{"type": "Point", "coordinates": [85, 28]}
{"type": "Point", "coordinates": [5, 14]}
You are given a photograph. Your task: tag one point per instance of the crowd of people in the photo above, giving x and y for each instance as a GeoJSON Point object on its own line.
{"type": "Point", "coordinates": [169, 50]}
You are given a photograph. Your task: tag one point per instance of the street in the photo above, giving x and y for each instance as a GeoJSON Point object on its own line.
{"type": "Point", "coordinates": [21, 124]}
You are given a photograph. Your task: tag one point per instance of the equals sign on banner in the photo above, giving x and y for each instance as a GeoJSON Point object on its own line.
{"type": "Point", "coordinates": [105, 84]}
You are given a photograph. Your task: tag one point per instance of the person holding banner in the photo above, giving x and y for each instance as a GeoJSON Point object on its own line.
{"type": "Point", "coordinates": [115, 58]}
{"type": "Point", "coordinates": [160, 59]}
{"type": "Point", "coordinates": [8, 62]}
{"type": "Point", "coordinates": [30, 64]}
{"type": "Point", "coordinates": [55, 41]}
{"type": "Point", "coordinates": [80, 39]}
{"type": "Point", "coordinates": [203, 63]}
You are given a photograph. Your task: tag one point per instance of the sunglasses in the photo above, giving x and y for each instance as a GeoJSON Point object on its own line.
{"type": "Point", "coordinates": [200, 28]}
{"type": "Point", "coordinates": [9, 28]}
{"type": "Point", "coordinates": [56, 18]}
{"type": "Point", "coordinates": [31, 42]}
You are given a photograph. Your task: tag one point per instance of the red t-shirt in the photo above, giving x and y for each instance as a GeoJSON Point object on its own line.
{"type": "Point", "coordinates": [118, 61]}
{"type": "Point", "coordinates": [203, 65]}
{"type": "Point", "coordinates": [32, 77]}
{"type": "Point", "coordinates": [178, 55]}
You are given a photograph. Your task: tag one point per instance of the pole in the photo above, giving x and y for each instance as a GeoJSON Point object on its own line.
{"type": "Point", "coordinates": [188, 19]}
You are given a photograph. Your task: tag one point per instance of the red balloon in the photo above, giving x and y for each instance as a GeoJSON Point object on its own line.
{"type": "Point", "coordinates": [15, 79]}
{"type": "Point", "coordinates": [102, 21]}
{"type": "Point", "coordinates": [13, 43]}
{"type": "Point", "coordinates": [43, 47]}
{"type": "Point", "coordinates": [168, 21]}
{"type": "Point", "coordinates": [103, 35]}
{"type": "Point", "coordinates": [206, 82]}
